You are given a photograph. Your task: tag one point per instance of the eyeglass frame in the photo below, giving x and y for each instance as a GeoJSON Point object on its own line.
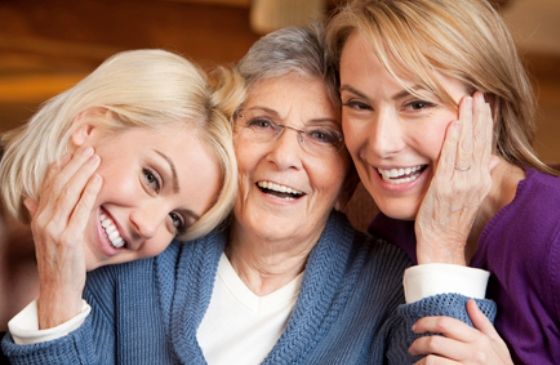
{"type": "Point", "coordinates": [303, 134]}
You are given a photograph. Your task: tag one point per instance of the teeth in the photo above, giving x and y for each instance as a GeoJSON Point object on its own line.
{"type": "Point", "coordinates": [111, 231]}
{"type": "Point", "coordinates": [401, 175]}
{"type": "Point", "coordinates": [278, 188]}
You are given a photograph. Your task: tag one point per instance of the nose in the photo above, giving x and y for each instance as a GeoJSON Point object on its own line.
{"type": "Point", "coordinates": [385, 135]}
{"type": "Point", "coordinates": [147, 218]}
{"type": "Point", "coordinates": [285, 151]}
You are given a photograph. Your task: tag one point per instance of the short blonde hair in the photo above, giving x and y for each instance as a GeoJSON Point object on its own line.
{"type": "Point", "coordinates": [463, 39]}
{"type": "Point", "coordinates": [141, 88]}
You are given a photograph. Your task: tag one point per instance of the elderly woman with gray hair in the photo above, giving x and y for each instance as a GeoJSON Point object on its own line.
{"type": "Point", "coordinates": [288, 280]}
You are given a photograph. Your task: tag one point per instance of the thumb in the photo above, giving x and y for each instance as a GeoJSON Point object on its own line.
{"type": "Point", "coordinates": [480, 321]}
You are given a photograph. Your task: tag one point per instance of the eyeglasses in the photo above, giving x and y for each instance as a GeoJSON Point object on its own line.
{"type": "Point", "coordinates": [313, 139]}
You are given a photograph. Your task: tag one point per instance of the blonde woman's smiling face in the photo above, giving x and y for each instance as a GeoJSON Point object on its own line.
{"type": "Point", "coordinates": [156, 183]}
{"type": "Point", "coordinates": [394, 137]}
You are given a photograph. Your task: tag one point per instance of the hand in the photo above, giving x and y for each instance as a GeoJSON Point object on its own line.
{"type": "Point", "coordinates": [460, 183]}
{"type": "Point", "coordinates": [58, 223]}
{"type": "Point", "coordinates": [459, 343]}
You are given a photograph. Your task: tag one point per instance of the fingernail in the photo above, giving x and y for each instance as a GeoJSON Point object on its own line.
{"type": "Point", "coordinates": [88, 151]}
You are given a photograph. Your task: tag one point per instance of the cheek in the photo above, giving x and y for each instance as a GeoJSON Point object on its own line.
{"type": "Point", "coordinates": [354, 135]}
{"type": "Point", "coordinates": [431, 139]}
{"type": "Point", "coordinates": [119, 183]}
{"type": "Point", "coordinates": [328, 176]}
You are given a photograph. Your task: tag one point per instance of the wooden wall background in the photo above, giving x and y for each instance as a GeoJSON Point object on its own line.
{"type": "Point", "coordinates": [48, 45]}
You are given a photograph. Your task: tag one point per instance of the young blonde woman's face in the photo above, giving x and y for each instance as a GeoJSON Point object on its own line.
{"type": "Point", "coordinates": [394, 137]}
{"type": "Point", "coordinates": [156, 182]}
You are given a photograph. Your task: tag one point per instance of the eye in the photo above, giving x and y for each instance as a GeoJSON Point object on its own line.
{"type": "Point", "coordinates": [356, 105]}
{"type": "Point", "coordinates": [419, 105]}
{"type": "Point", "coordinates": [178, 222]}
{"type": "Point", "coordinates": [151, 179]}
{"type": "Point", "coordinates": [260, 123]}
{"type": "Point", "coordinates": [325, 136]}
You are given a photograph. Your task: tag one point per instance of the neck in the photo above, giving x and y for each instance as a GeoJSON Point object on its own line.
{"type": "Point", "coordinates": [266, 265]}
{"type": "Point", "coordinates": [505, 178]}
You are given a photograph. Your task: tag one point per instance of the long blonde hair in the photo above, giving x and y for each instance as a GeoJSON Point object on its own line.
{"type": "Point", "coordinates": [463, 39]}
{"type": "Point", "coordinates": [141, 88]}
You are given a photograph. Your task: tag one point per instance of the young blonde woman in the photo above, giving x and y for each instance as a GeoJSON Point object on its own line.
{"type": "Point", "coordinates": [136, 154]}
{"type": "Point", "coordinates": [407, 68]}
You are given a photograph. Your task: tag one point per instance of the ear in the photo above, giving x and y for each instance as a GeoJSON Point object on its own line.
{"type": "Point", "coordinates": [84, 126]}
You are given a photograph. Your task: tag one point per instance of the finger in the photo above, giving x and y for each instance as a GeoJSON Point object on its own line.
{"type": "Point", "coordinates": [480, 321]}
{"type": "Point", "coordinates": [447, 326]}
{"type": "Point", "coordinates": [69, 198]}
{"type": "Point", "coordinates": [65, 159]}
{"type": "Point", "coordinates": [465, 148]}
{"type": "Point", "coordinates": [69, 170]}
{"type": "Point", "coordinates": [57, 177]}
{"type": "Point", "coordinates": [439, 346]}
{"type": "Point", "coordinates": [446, 163]}
{"type": "Point", "coordinates": [483, 130]}
{"type": "Point", "coordinates": [437, 360]}
{"type": "Point", "coordinates": [85, 205]}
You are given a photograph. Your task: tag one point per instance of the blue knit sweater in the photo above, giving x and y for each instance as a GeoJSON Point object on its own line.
{"type": "Point", "coordinates": [349, 310]}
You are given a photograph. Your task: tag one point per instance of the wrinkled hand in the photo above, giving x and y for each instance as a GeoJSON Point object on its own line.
{"type": "Point", "coordinates": [460, 183]}
{"type": "Point", "coordinates": [459, 343]}
{"type": "Point", "coordinates": [58, 222]}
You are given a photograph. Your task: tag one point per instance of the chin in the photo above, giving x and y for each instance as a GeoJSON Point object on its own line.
{"type": "Point", "coordinates": [405, 211]}
{"type": "Point", "coordinates": [92, 261]}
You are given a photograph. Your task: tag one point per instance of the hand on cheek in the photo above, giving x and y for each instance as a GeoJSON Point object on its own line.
{"type": "Point", "coordinates": [460, 184]}
{"type": "Point", "coordinates": [59, 218]}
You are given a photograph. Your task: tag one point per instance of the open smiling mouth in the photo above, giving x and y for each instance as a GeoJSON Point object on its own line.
{"type": "Point", "coordinates": [111, 231]}
{"type": "Point", "coordinates": [401, 175]}
{"type": "Point", "coordinates": [281, 191]}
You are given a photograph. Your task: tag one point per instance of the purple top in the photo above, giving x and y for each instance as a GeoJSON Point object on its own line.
{"type": "Point", "coordinates": [520, 246]}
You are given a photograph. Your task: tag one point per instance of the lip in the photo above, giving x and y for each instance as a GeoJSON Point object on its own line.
{"type": "Point", "coordinates": [106, 247]}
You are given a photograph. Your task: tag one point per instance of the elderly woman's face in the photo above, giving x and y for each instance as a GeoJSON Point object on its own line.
{"type": "Point", "coordinates": [289, 183]}
{"type": "Point", "coordinates": [394, 137]}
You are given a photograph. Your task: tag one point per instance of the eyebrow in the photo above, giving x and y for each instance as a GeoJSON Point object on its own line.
{"type": "Point", "coordinates": [275, 113]}
{"type": "Point", "coordinates": [400, 95]}
{"type": "Point", "coordinates": [173, 170]}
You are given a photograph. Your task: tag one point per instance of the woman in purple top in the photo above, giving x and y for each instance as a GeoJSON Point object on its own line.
{"type": "Point", "coordinates": [406, 68]}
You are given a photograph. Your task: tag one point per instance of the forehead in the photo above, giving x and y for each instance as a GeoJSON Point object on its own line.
{"type": "Point", "coordinates": [292, 94]}
{"type": "Point", "coordinates": [360, 66]}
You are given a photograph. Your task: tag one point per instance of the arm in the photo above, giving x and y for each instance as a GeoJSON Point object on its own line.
{"type": "Point", "coordinates": [400, 335]}
{"type": "Point", "coordinates": [81, 345]}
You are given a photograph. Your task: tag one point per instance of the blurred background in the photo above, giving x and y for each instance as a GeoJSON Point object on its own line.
{"type": "Point", "coordinates": [48, 45]}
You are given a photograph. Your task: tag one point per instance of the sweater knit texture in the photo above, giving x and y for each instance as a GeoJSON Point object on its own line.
{"type": "Point", "coordinates": [520, 246]}
{"type": "Point", "coordinates": [349, 310]}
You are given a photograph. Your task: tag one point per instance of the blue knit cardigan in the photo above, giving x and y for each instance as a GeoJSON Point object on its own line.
{"type": "Point", "coordinates": [349, 310]}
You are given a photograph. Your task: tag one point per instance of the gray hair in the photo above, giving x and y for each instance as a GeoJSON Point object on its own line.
{"type": "Point", "coordinates": [292, 49]}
